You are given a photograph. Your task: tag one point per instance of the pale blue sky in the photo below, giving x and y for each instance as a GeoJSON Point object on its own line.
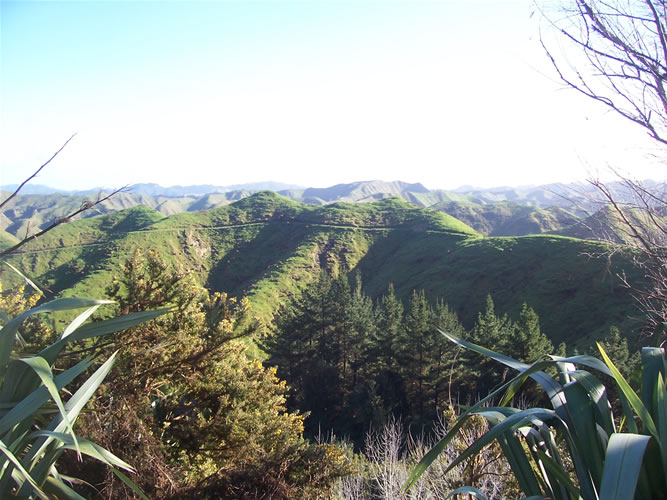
{"type": "Point", "coordinates": [308, 92]}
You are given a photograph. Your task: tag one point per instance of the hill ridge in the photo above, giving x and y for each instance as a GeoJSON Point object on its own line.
{"type": "Point", "coordinates": [271, 259]}
{"type": "Point", "coordinates": [495, 212]}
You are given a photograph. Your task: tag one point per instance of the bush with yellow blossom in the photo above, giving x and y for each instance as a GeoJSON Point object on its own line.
{"type": "Point", "coordinates": [189, 406]}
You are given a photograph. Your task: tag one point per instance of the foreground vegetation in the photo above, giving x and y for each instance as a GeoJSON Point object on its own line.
{"type": "Point", "coordinates": [188, 406]}
{"type": "Point", "coordinates": [578, 448]}
{"type": "Point", "coordinates": [196, 414]}
{"type": "Point", "coordinates": [36, 425]}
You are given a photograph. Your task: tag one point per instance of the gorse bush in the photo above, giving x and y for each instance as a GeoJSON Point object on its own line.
{"type": "Point", "coordinates": [36, 423]}
{"type": "Point", "coordinates": [191, 407]}
{"type": "Point", "coordinates": [577, 448]}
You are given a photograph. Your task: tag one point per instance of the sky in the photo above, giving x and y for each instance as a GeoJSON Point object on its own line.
{"type": "Point", "coordinates": [307, 92]}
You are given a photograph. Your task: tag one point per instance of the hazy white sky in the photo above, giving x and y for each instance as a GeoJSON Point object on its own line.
{"type": "Point", "coordinates": [310, 92]}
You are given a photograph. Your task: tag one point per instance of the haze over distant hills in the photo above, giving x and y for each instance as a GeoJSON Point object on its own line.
{"type": "Point", "coordinates": [152, 189]}
{"type": "Point", "coordinates": [502, 211]}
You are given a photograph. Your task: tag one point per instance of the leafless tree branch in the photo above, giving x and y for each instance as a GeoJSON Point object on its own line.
{"type": "Point", "coordinates": [624, 44]}
{"type": "Point", "coordinates": [36, 172]}
{"type": "Point", "coordinates": [87, 205]}
{"type": "Point", "coordinates": [61, 220]}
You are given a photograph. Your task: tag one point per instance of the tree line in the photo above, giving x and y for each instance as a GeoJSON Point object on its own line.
{"type": "Point", "coordinates": [353, 362]}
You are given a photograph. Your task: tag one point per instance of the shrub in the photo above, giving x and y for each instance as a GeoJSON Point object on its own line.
{"type": "Point", "coordinates": [36, 424]}
{"type": "Point", "coordinates": [576, 448]}
{"type": "Point", "coordinates": [392, 452]}
{"type": "Point", "coordinates": [198, 415]}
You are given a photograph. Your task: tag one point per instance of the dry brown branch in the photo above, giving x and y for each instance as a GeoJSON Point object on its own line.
{"type": "Point", "coordinates": [643, 222]}
{"type": "Point", "coordinates": [36, 172]}
{"type": "Point", "coordinates": [61, 220]}
{"type": "Point", "coordinates": [87, 205]}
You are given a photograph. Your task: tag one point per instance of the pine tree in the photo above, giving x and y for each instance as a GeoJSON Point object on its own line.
{"type": "Point", "coordinates": [333, 341]}
{"type": "Point", "coordinates": [496, 334]}
{"type": "Point", "coordinates": [360, 398]}
{"type": "Point", "coordinates": [414, 352]}
{"type": "Point", "coordinates": [529, 343]}
{"type": "Point", "coordinates": [362, 324]}
{"type": "Point", "coordinates": [490, 330]}
{"type": "Point", "coordinates": [444, 368]}
{"type": "Point", "coordinates": [294, 344]}
{"type": "Point", "coordinates": [321, 347]}
{"type": "Point", "coordinates": [389, 331]}
{"type": "Point", "coordinates": [385, 351]}
{"type": "Point", "coordinates": [561, 350]}
{"type": "Point", "coordinates": [315, 327]}
{"type": "Point", "coordinates": [616, 347]}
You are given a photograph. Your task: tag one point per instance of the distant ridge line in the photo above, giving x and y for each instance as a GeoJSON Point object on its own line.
{"type": "Point", "coordinates": [503, 211]}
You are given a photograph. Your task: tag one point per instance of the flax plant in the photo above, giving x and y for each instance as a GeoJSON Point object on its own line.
{"type": "Point", "coordinates": [36, 422]}
{"type": "Point", "coordinates": [577, 448]}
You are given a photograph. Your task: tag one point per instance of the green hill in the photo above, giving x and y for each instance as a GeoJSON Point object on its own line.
{"type": "Point", "coordinates": [7, 240]}
{"type": "Point", "coordinates": [492, 212]}
{"type": "Point", "coordinates": [606, 225]}
{"type": "Point", "coordinates": [507, 218]}
{"type": "Point", "coordinates": [269, 247]}
{"type": "Point", "coordinates": [28, 213]}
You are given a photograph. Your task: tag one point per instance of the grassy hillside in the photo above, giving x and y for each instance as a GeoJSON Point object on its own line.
{"type": "Point", "coordinates": [492, 212]}
{"type": "Point", "coordinates": [507, 218]}
{"type": "Point", "coordinates": [574, 294]}
{"type": "Point", "coordinates": [268, 206]}
{"type": "Point", "coordinates": [29, 213]}
{"type": "Point", "coordinates": [25, 214]}
{"type": "Point", "coordinates": [7, 240]}
{"type": "Point", "coordinates": [270, 247]}
{"type": "Point", "coordinates": [606, 224]}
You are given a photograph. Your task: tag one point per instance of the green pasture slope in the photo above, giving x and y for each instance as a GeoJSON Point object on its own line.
{"type": "Point", "coordinates": [7, 240]}
{"type": "Point", "coordinates": [269, 247]}
{"type": "Point", "coordinates": [507, 218]}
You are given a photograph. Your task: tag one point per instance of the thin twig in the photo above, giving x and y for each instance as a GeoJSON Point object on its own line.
{"type": "Point", "coordinates": [36, 172]}
{"type": "Point", "coordinates": [59, 221]}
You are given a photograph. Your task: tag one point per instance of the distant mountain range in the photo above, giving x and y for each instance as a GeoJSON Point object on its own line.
{"type": "Point", "coordinates": [568, 209]}
{"type": "Point", "coordinates": [151, 189]}
{"type": "Point", "coordinates": [571, 196]}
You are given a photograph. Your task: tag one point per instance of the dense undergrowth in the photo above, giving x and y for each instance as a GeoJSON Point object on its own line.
{"type": "Point", "coordinates": [185, 403]}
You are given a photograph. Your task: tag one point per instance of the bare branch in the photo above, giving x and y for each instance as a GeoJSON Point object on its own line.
{"type": "Point", "coordinates": [61, 220]}
{"type": "Point", "coordinates": [36, 172]}
{"type": "Point", "coordinates": [625, 44]}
